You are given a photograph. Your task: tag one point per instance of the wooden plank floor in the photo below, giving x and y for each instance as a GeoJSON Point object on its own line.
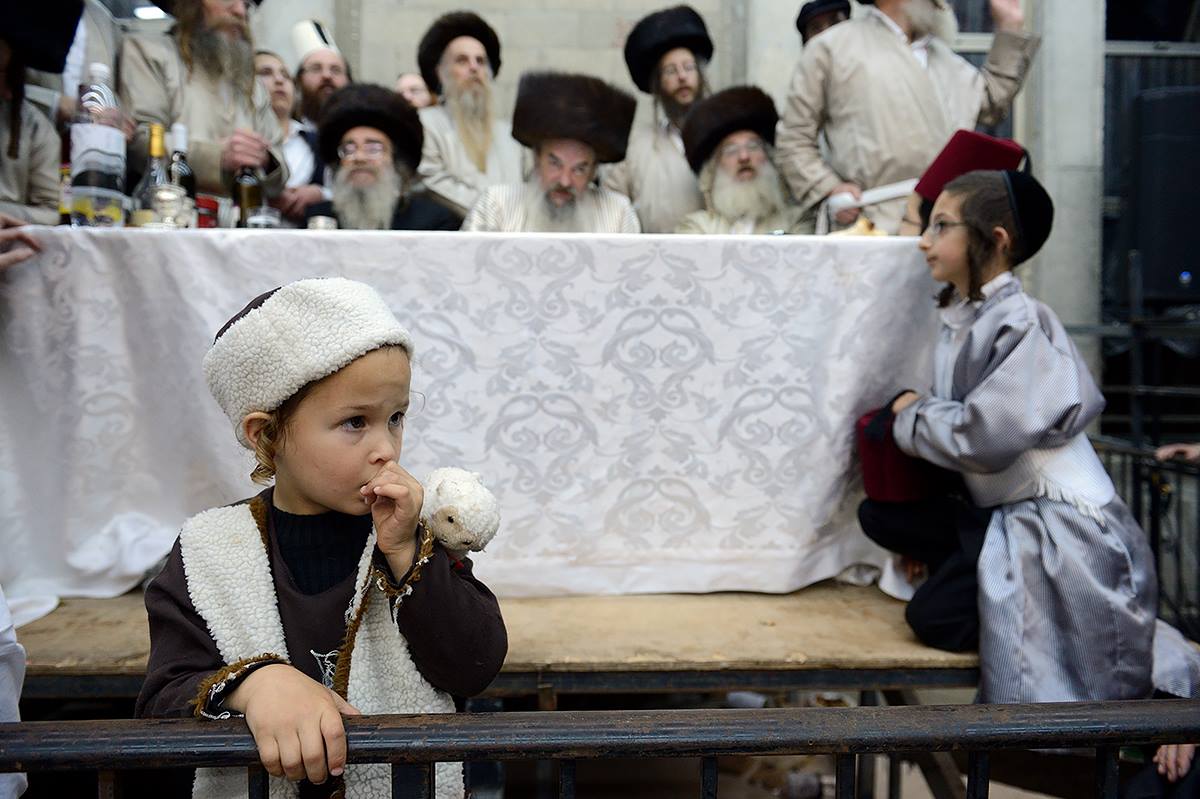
{"type": "Point", "coordinates": [826, 626]}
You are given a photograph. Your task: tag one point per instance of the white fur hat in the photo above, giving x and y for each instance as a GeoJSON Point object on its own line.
{"type": "Point", "coordinates": [308, 36]}
{"type": "Point", "coordinates": [291, 336]}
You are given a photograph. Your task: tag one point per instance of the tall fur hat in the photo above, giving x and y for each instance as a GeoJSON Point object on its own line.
{"type": "Point", "coordinates": [658, 33]}
{"type": "Point", "coordinates": [446, 29]}
{"type": "Point", "coordinates": [557, 105]}
{"type": "Point", "coordinates": [373, 106]}
{"type": "Point", "coordinates": [728, 111]}
{"type": "Point", "coordinates": [289, 337]}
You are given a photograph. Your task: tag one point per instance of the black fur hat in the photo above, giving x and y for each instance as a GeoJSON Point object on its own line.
{"type": "Point", "coordinates": [40, 34]}
{"type": "Point", "coordinates": [660, 32]}
{"type": "Point", "coordinates": [372, 106]}
{"type": "Point", "coordinates": [728, 111]}
{"type": "Point", "coordinates": [446, 29]}
{"type": "Point", "coordinates": [816, 8]}
{"type": "Point", "coordinates": [557, 105]}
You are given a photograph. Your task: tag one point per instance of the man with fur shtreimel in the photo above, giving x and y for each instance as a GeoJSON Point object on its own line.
{"type": "Point", "coordinates": [666, 53]}
{"type": "Point", "coordinates": [572, 123]}
{"type": "Point", "coordinates": [730, 143]}
{"type": "Point", "coordinates": [371, 137]}
{"type": "Point", "coordinates": [466, 148]}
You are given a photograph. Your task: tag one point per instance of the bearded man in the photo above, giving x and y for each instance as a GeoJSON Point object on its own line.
{"type": "Point", "coordinates": [201, 73]}
{"type": "Point", "coordinates": [666, 53]}
{"type": "Point", "coordinates": [887, 91]}
{"type": "Point", "coordinates": [373, 139]}
{"type": "Point", "coordinates": [573, 123]}
{"type": "Point", "coordinates": [729, 139]}
{"type": "Point", "coordinates": [466, 150]}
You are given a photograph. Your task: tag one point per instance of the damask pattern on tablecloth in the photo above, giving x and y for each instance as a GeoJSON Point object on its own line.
{"type": "Point", "coordinates": [656, 413]}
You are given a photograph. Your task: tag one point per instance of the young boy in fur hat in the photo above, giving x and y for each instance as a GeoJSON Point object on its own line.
{"type": "Point", "coordinates": [322, 596]}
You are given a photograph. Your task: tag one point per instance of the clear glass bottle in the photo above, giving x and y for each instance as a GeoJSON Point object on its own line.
{"type": "Point", "coordinates": [155, 176]}
{"type": "Point", "coordinates": [97, 154]}
{"type": "Point", "coordinates": [179, 170]}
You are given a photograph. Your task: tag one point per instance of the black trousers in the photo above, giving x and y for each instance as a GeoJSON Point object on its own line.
{"type": "Point", "coordinates": [946, 534]}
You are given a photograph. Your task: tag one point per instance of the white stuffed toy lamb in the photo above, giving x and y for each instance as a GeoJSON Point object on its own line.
{"type": "Point", "coordinates": [459, 510]}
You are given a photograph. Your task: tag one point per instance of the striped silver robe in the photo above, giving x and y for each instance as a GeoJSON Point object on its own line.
{"type": "Point", "coordinates": [1067, 588]}
{"type": "Point", "coordinates": [506, 209]}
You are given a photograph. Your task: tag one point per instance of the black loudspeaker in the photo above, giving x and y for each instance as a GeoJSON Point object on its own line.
{"type": "Point", "coordinates": [1166, 193]}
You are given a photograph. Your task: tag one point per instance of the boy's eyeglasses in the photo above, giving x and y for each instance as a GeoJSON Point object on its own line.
{"type": "Point", "coordinates": [938, 227]}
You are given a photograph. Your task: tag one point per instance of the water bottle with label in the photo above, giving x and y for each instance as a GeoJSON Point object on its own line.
{"type": "Point", "coordinates": [97, 154]}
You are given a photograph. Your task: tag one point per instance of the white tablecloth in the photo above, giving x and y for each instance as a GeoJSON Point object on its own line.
{"type": "Point", "coordinates": [656, 413]}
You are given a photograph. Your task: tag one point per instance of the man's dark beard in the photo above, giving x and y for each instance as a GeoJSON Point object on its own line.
{"type": "Point", "coordinates": [676, 111]}
{"type": "Point", "coordinates": [310, 104]}
{"type": "Point", "coordinates": [223, 58]}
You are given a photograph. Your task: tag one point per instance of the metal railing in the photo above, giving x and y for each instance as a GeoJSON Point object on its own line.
{"type": "Point", "coordinates": [1164, 497]}
{"type": "Point", "coordinates": [412, 744]}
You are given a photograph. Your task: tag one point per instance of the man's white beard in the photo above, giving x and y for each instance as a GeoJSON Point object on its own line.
{"type": "Point", "coordinates": [756, 199]}
{"type": "Point", "coordinates": [543, 216]}
{"type": "Point", "coordinates": [366, 207]}
{"type": "Point", "coordinates": [222, 58]}
{"type": "Point", "coordinates": [471, 109]}
{"type": "Point", "coordinates": [926, 18]}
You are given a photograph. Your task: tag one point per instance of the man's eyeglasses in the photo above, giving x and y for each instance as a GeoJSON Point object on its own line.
{"type": "Point", "coordinates": [334, 70]}
{"type": "Point", "coordinates": [672, 71]}
{"type": "Point", "coordinates": [938, 227]}
{"type": "Point", "coordinates": [371, 149]}
{"type": "Point", "coordinates": [749, 147]}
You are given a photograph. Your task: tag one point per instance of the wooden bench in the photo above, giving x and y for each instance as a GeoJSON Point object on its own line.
{"type": "Point", "coordinates": [828, 636]}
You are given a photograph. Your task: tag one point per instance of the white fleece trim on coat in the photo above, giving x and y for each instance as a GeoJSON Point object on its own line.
{"type": "Point", "coordinates": [303, 332]}
{"type": "Point", "coordinates": [229, 580]}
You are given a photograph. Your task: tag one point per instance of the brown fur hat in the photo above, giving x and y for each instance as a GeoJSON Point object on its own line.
{"type": "Point", "coordinates": [728, 111]}
{"type": "Point", "coordinates": [446, 29]}
{"type": "Point", "coordinates": [372, 106]}
{"type": "Point", "coordinates": [557, 105]}
{"type": "Point", "coordinates": [660, 32]}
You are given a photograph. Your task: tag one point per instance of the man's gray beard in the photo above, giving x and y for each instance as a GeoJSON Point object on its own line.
{"type": "Point", "coordinates": [367, 207]}
{"type": "Point", "coordinates": [543, 216]}
{"type": "Point", "coordinates": [222, 58]}
{"type": "Point", "coordinates": [926, 18]}
{"type": "Point", "coordinates": [758, 198]}
{"type": "Point", "coordinates": [471, 110]}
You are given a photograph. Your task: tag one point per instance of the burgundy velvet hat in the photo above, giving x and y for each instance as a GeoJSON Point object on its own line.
{"type": "Point", "coordinates": [966, 152]}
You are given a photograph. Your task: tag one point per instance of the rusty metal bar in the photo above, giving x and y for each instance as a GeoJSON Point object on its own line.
{"type": "Point", "coordinates": [412, 781]}
{"type": "Point", "coordinates": [1107, 768]}
{"type": "Point", "coordinates": [894, 776]}
{"type": "Point", "coordinates": [708, 778]}
{"type": "Point", "coordinates": [566, 779]}
{"type": "Point", "coordinates": [171, 743]}
{"type": "Point", "coordinates": [866, 763]}
{"type": "Point", "coordinates": [258, 782]}
{"type": "Point", "coordinates": [844, 772]}
{"type": "Point", "coordinates": [978, 777]}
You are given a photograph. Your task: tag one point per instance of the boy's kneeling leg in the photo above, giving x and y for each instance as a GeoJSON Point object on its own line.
{"type": "Point", "coordinates": [944, 611]}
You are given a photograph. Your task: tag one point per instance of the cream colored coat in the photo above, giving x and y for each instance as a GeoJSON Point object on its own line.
{"type": "Point", "coordinates": [656, 178]}
{"type": "Point", "coordinates": [449, 172]}
{"type": "Point", "coordinates": [884, 115]}
{"type": "Point", "coordinates": [156, 86]}
{"type": "Point", "coordinates": [29, 185]}
{"type": "Point", "coordinates": [504, 209]}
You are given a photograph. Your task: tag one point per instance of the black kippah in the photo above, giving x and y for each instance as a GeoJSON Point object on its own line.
{"type": "Point", "coordinates": [1032, 210]}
